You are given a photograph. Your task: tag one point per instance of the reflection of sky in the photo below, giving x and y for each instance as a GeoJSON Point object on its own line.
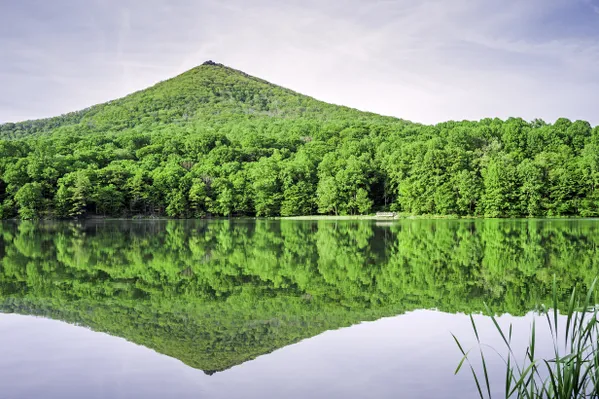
{"type": "Point", "coordinates": [407, 356]}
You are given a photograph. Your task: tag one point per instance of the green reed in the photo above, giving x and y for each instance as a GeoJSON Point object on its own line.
{"type": "Point", "coordinates": [572, 371]}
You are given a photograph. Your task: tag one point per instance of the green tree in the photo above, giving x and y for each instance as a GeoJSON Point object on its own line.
{"type": "Point", "coordinates": [531, 188]}
{"type": "Point", "coordinates": [74, 193]}
{"type": "Point", "coordinates": [108, 199]}
{"type": "Point", "coordinates": [29, 200]}
{"type": "Point", "coordinates": [500, 187]}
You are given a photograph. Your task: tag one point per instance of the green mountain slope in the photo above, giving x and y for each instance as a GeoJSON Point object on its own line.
{"type": "Point", "coordinates": [210, 93]}
{"type": "Point", "coordinates": [215, 141]}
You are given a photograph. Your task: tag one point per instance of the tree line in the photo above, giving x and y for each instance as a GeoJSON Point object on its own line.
{"type": "Point", "coordinates": [490, 168]}
{"type": "Point", "coordinates": [216, 142]}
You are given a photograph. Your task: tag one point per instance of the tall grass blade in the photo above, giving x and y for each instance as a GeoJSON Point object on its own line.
{"type": "Point", "coordinates": [573, 374]}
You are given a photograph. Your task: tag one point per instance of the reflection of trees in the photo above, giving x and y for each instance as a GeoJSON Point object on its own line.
{"type": "Point", "coordinates": [215, 294]}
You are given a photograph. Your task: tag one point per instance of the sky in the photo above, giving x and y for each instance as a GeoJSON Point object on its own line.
{"type": "Point", "coordinates": [423, 60]}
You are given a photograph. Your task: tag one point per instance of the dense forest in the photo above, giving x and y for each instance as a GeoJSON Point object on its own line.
{"type": "Point", "coordinates": [215, 141]}
{"type": "Point", "coordinates": [215, 294]}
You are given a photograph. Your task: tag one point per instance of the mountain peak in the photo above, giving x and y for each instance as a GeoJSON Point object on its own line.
{"type": "Point", "coordinates": [211, 63]}
{"type": "Point", "coordinates": [210, 92]}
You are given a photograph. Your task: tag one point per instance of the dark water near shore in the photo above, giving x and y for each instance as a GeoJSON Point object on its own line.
{"type": "Point", "coordinates": [259, 309]}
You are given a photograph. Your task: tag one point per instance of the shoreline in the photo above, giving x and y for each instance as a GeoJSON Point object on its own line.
{"type": "Point", "coordinates": [305, 218]}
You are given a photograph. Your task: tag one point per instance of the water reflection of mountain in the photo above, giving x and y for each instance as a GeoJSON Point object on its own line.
{"type": "Point", "coordinates": [216, 294]}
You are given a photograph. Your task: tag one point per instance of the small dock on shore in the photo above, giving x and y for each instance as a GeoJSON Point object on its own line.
{"type": "Point", "coordinates": [385, 215]}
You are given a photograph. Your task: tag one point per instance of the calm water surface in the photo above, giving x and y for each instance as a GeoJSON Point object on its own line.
{"type": "Point", "coordinates": [260, 309]}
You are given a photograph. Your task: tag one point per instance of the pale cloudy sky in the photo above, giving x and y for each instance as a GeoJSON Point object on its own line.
{"type": "Point", "coordinates": [422, 60]}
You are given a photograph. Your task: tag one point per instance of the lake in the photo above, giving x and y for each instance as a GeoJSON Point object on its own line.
{"type": "Point", "coordinates": [271, 308]}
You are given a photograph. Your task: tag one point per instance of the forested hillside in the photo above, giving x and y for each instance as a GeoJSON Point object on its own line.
{"type": "Point", "coordinates": [215, 141]}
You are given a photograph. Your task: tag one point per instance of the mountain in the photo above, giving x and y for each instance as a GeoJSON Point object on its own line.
{"type": "Point", "coordinates": [210, 93]}
{"type": "Point", "coordinates": [215, 141]}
